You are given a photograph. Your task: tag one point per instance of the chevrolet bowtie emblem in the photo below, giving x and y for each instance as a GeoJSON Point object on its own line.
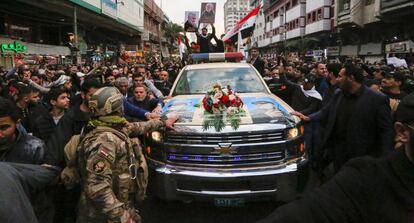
{"type": "Point", "coordinates": [224, 149]}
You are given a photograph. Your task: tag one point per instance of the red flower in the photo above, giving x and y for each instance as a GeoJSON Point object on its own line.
{"type": "Point", "coordinates": [216, 105]}
{"type": "Point", "coordinates": [225, 100]}
{"type": "Point", "coordinates": [230, 92]}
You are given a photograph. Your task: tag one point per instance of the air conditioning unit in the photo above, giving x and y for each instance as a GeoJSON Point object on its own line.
{"type": "Point", "coordinates": [346, 6]}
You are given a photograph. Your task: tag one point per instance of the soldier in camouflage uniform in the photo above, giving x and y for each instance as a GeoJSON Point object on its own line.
{"type": "Point", "coordinates": [107, 161]}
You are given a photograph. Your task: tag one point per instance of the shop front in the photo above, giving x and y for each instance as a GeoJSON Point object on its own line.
{"type": "Point", "coordinates": [31, 53]}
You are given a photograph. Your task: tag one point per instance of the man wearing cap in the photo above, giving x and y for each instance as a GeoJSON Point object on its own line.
{"type": "Point", "coordinates": [358, 121]}
{"type": "Point", "coordinates": [366, 189]}
{"type": "Point", "coordinates": [391, 85]}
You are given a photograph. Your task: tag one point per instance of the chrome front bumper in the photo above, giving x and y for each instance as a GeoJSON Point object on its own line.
{"type": "Point", "coordinates": [183, 183]}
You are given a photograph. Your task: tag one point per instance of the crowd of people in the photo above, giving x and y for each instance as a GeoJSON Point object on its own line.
{"type": "Point", "coordinates": [348, 110]}
{"type": "Point", "coordinates": [358, 120]}
{"type": "Point", "coordinates": [44, 108]}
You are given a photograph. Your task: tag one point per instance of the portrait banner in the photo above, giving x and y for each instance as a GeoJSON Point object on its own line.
{"type": "Point", "coordinates": [208, 12]}
{"type": "Point", "coordinates": [191, 21]}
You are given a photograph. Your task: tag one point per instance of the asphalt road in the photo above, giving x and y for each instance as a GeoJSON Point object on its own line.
{"type": "Point", "coordinates": [153, 210]}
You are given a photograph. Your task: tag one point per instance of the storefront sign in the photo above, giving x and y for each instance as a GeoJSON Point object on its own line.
{"type": "Point", "coordinates": [333, 51]}
{"type": "Point", "coordinates": [401, 47]}
{"type": "Point", "coordinates": [15, 47]}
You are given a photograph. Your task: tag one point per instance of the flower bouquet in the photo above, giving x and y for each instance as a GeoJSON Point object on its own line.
{"type": "Point", "coordinates": [222, 105]}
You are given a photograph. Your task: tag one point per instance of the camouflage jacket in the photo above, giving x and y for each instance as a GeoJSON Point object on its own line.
{"type": "Point", "coordinates": [105, 177]}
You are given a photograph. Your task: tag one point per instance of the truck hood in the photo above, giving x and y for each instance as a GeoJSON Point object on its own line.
{"type": "Point", "coordinates": [260, 108]}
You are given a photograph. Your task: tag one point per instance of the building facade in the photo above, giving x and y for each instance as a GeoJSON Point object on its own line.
{"type": "Point", "coordinates": [343, 28]}
{"type": "Point", "coordinates": [234, 10]}
{"type": "Point", "coordinates": [54, 31]}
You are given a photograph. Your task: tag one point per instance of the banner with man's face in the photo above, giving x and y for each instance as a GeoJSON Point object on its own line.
{"type": "Point", "coordinates": [208, 12]}
{"type": "Point", "coordinates": [191, 21]}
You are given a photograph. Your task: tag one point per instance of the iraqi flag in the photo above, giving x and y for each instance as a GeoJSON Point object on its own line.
{"type": "Point", "coordinates": [245, 26]}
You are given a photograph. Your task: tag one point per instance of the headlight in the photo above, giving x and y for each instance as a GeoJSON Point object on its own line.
{"type": "Point", "coordinates": [156, 136]}
{"type": "Point", "coordinates": [292, 133]}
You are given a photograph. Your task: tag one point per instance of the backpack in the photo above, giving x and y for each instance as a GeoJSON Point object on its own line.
{"type": "Point", "coordinates": [70, 174]}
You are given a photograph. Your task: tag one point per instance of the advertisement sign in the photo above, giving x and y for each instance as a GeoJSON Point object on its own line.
{"type": "Point", "coordinates": [109, 8]}
{"type": "Point", "coordinates": [208, 12]}
{"type": "Point", "coordinates": [191, 21]}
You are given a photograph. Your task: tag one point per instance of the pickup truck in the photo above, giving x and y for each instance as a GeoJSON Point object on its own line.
{"type": "Point", "coordinates": [259, 160]}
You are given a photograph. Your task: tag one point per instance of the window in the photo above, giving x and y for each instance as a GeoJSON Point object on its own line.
{"type": "Point", "coordinates": [308, 19]}
{"type": "Point", "coordinates": [319, 15]}
{"type": "Point", "coordinates": [245, 80]}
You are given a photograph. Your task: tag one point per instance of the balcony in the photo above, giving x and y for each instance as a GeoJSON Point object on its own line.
{"type": "Point", "coordinates": [402, 7]}
{"type": "Point", "coordinates": [316, 4]}
{"type": "Point", "coordinates": [268, 26]}
{"type": "Point", "coordinates": [276, 38]}
{"type": "Point", "coordinates": [296, 12]}
{"type": "Point", "coordinates": [295, 33]}
{"type": "Point", "coordinates": [265, 42]}
{"type": "Point", "coordinates": [277, 22]}
{"type": "Point", "coordinates": [319, 26]}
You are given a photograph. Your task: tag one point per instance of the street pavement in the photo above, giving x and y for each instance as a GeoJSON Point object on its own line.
{"type": "Point", "coordinates": [154, 210]}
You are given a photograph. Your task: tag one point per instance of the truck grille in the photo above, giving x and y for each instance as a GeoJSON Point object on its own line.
{"type": "Point", "coordinates": [214, 139]}
{"type": "Point", "coordinates": [227, 160]}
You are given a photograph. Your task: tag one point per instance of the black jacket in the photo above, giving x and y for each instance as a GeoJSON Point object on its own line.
{"type": "Point", "coordinates": [259, 65]}
{"type": "Point", "coordinates": [44, 127]}
{"type": "Point", "coordinates": [26, 149]}
{"type": "Point", "coordinates": [70, 124]}
{"type": "Point", "coordinates": [299, 101]}
{"type": "Point", "coordinates": [369, 130]}
{"type": "Point", "coordinates": [366, 190]}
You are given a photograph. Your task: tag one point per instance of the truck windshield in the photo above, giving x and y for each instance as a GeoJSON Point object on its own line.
{"type": "Point", "coordinates": [199, 81]}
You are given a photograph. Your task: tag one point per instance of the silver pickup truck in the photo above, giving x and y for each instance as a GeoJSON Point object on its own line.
{"type": "Point", "coordinates": [258, 160]}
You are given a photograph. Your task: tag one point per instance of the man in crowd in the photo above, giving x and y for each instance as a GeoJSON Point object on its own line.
{"type": "Point", "coordinates": [321, 73]}
{"type": "Point", "coordinates": [358, 121]}
{"type": "Point", "coordinates": [333, 72]}
{"type": "Point", "coordinates": [164, 84]}
{"type": "Point", "coordinates": [352, 195]}
{"type": "Point", "coordinates": [28, 104]}
{"type": "Point", "coordinates": [204, 39]}
{"type": "Point", "coordinates": [58, 102]}
{"type": "Point", "coordinates": [391, 85]}
{"type": "Point", "coordinates": [16, 145]}
{"type": "Point", "coordinates": [142, 100]}
{"type": "Point", "coordinates": [106, 140]}
{"type": "Point", "coordinates": [154, 90]}
{"type": "Point", "coordinates": [256, 61]}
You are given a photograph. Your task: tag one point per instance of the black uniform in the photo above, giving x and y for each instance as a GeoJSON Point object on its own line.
{"type": "Point", "coordinates": [365, 190]}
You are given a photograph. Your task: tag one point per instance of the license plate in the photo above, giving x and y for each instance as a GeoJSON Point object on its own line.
{"type": "Point", "coordinates": [225, 202]}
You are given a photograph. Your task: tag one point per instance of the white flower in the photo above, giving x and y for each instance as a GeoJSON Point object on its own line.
{"type": "Point", "coordinates": [232, 110]}
{"type": "Point", "coordinates": [232, 97]}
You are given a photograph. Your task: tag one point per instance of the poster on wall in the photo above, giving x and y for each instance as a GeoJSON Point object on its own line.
{"type": "Point", "coordinates": [191, 21]}
{"type": "Point", "coordinates": [208, 12]}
